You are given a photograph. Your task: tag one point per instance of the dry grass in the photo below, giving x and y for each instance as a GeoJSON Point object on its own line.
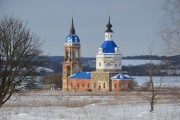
{"type": "Point", "coordinates": [67, 99]}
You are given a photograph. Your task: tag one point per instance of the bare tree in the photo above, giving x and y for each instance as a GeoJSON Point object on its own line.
{"type": "Point", "coordinates": [21, 55]}
{"type": "Point", "coordinates": [152, 87]}
{"type": "Point", "coordinates": [170, 31]}
{"type": "Point", "coordinates": [53, 79]}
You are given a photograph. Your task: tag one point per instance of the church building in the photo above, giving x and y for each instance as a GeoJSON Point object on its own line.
{"type": "Point", "coordinates": [108, 75]}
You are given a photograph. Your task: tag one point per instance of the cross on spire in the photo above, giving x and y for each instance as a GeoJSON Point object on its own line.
{"type": "Point", "coordinates": [109, 26]}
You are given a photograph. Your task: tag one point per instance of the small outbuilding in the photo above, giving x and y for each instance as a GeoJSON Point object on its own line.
{"type": "Point", "coordinates": [121, 82]}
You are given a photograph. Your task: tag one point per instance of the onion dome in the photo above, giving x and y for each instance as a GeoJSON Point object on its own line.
{"type": "Point", "coordinates": [109, 26]}
{"type": "Point", "coordinates": [72, 37]}
{"type": "Point", "coordinates": [108, 47]}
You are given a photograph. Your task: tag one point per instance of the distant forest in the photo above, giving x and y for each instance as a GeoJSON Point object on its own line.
{"type": "Point", "coordinates": [55, 63]}
{"type": "Point", "coordinates": [154, 57]}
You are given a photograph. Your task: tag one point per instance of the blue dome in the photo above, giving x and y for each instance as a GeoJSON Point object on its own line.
{"type": "Point", "coordinates": [121, 77]}
{"type": "Point", "coordinates": [72, 38]}
{"type": "Point", "coordinates": [108, 46]}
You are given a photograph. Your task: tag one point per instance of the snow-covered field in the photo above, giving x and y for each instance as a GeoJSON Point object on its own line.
{"type": "Point", "coordinates": [58, 105]}
{"type": "Point", "coordinates": [166, 81]}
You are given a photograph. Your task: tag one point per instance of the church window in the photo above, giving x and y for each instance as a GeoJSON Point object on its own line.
{"type": "Point", "coordinates": [95, 85]}
{"type": "Point", "coordinates": [108, 64]}
{"type": "Point", "coordinates": [71, 85]}
{"type": "Point", "coordinates": [76, 54]}
{"type": "Point", "coordinates": [129, 86]}
{"type": "Point", "coordinates": [122, 86]}
{"type": "Point", "coordinates": [114, 85]}
{"type": "Point", "coordinates": [99, 87]}
{"type": "Point", "coordinates": [104, 85]}
{"type": "Point", "coordinates": [83, 84]}
{"type": "Point", "coordinates": [88, 85]}
{"type": "Point", "coordinates": [68, 70]}
{"type": "Point", "coordinates": [99, 63]}
{"type": "Point", "coordinates": [67, 54]}
{"type": "Point", "coordinates": [117, 49]}
{"type": "Point", "coordinates": [78, 85]}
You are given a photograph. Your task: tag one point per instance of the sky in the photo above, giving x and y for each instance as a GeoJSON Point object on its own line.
{"type": "Point", "coordinates": [136, 23]}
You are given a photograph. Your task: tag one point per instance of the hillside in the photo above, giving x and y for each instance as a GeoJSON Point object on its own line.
{"type": "Point", "coordinates": [133, 64]}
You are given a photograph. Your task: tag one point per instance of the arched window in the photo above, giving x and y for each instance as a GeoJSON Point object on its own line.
{"type": "Point", "coordinates": [99, 63]}
{"type": "Point", "coordinates": [114, 85]}
{"type": "Point", "coordinates": [68, 54]}
{"type": "Point", "coordinates": [76, 54]}
{"type": "Point", "coordinates": [108, 64]}
{"type": "Point", "coordinates": [71, 85]}
{"type": "Point", "coordinates": [122, 86]}
{"type": "Point", "coordinates": [104, 85]}
{"type": "Point", "coordinates": [95, 85]}
{"type": "Point", "coordinates": [129, 86]}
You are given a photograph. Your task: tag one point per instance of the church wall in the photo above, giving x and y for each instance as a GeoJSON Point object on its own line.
{"type": "Point", "coordinates": [101, 81]}
{"type": "Point", "coordinates": [108, 61]}
{"type": "Point", "coordinates": [121, 85]}
{"type": "Point", "coordinates": [79, 84]}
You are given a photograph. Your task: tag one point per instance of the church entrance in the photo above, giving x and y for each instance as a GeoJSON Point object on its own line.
{"type": "Point", "coordinates": [99, 87]}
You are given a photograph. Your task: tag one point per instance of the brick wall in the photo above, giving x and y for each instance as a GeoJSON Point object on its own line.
{"type": "Point", "coordinates": [121, 85]}
{"type": "Point", "coordinates": [79, 84]}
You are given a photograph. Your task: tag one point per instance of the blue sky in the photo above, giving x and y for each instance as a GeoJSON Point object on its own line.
{"type": "Point", "coordinates": [136, 23]}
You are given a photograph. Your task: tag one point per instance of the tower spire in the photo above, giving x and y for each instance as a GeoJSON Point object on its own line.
{"type": "Point", "coordinates": [109, 26]}
{"type": "Point", "coordinates": [72, 30]}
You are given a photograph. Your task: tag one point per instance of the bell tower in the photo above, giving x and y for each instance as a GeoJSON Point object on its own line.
{"type": "Point", "coordinates": [108, 58]}
{"type": "Point", "coordinates": [71, 63]}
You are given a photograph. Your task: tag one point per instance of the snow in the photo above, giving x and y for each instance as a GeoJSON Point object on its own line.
{"type": "Point", "coordinates": [121, 77]}
{"type": "Point", "coordinates": [81, 75]}
{"type": "Point", "coordinates": [168, 81]}
{"type": "Point", "coordinates": [93, 112]}
{"type": "Point", "coordinates": [49, 105]}
{"type": "Point", "coordinates": [39, 69]}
